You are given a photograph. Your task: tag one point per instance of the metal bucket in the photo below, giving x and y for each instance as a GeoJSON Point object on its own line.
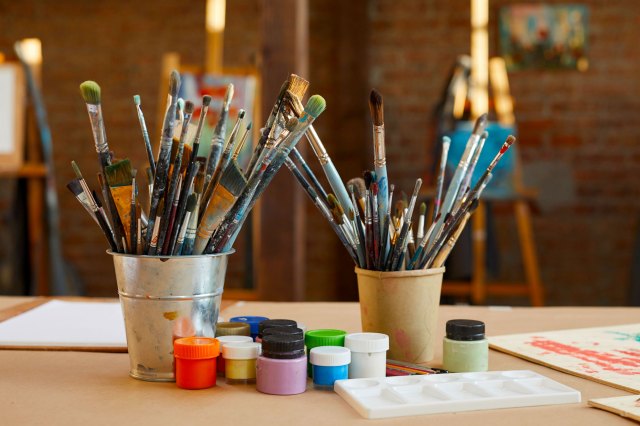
{"type": "Point", "coordinates": [165, 298]}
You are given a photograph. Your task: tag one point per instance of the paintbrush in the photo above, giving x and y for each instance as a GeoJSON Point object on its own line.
{"type": "Point", "coordinates": [465, 186]}
{"type": "Point", "coordinates": [368, 221]}
{"type": "Point", "coordinates": [423, 212]}
{"type": "Point", "coordinates": [359, 190]}
{"type": "Point", "coordinates": [335, 181]}
{"type": "Point", "coordinates": [119, 178]}
{"type": "Point", "coordinates": [338, 218]}
{"type": "Point", "coordinates": [451, 241]}
{"type": "Point", "coordinates": [224, 160]}
{"type": "Point", "coordinates": [417, 256]}
{"type": "Point", "coordinates": [324, 210]}
{"type": "Point", "coordinates": [317, 186]}
{"type": "Point", "coordinates": [244, 139]}
{"type": "Point", "coordinates": [192, 166]}
{"type": "Point", "coordinates": [102, 221]}
{"type": "Point", "coordinates": [446, 143]}
{"type": "Point", "coordinates": [191, 205]}
{"type": "Point", "coordinates": [400, 245]}
{"type": "Point", "coordinates": [359, 225]}
{"type": "Point", "coordinates": [258, 182]}
{"type": "Point", "coordinates": [90, 91]}
{"type": "Point", "coordinates": [162, 166]}
{"type": "Point", "coordinates": [375, 219]}
{"type": "Point", "coordinates": [133, 233]}
{"type": "Point", "coordinates": [192, 226]}
{"type": "Point", "coordinates": [156, 228]}
{"type": "Point", "coordinates": [231, 185]}
{"type": "Point", "coordinates": [145, 134]}
{"type": "Point", "coordinates": [174, 184]}
{"type": "Point", "coordinates": [376, 107]}
{"type": "Point", "coordinates": [219, 135]}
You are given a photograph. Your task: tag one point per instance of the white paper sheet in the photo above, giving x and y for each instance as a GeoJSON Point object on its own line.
{"type": "Point", "coordinates": [67, 324]}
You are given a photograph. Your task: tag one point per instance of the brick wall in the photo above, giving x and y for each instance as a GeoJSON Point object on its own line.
{"type": "Point", "coordinates": [578, 131]}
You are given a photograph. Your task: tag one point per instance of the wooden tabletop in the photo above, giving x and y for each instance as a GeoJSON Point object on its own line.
{"type": "Point", "coordinates": [46, 387]}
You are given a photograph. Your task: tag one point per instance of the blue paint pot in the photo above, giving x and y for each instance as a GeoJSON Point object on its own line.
{"type": "Point", "coordinates": [329, 363]}
{"type": "Point", "coordinates": [253, 322]}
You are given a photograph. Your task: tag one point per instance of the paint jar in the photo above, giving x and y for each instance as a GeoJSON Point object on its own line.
{"type": "Point", "coordinates": [233, 329]}
{"type": "Point", "coordinates": [220, 364]}
{"type": "Point", "coordinates": [465, 347]}
{"type": "Point", "coordinates": [292, 331]}
{"type": "Point", "coordinates": [270, 323]}
{"type": "Point", "coordinates": [253, 322]}
{"type": "Point", "coordinates": [329, 363]}
{"type": "Point", "coordinates": [368, 354]}
{"type": "Point", "coordinates": [240, 361]}
{"type": "Point", "coordinates": [323, 337]}
{"type": "Point", "coordinates": [195, 359]}
{"type": "Point", "coordinates": [282, 367]}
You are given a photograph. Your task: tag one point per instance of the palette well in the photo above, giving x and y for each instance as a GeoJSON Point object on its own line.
{"type": "Point", "coordinates": [445, 393]}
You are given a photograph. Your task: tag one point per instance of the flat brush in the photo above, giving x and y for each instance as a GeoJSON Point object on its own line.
{"type": "Point", "coordinates": [91, 94]}
{"type": "Point", "coordinates": [312, 177]}
{"type": "Point", "coordinates": [162, 166]}
{"type": "Point", "coordinates": [145, 134]}
{"type": "Point", "coordinates": [120, 179]}
{"type": "Point", "coordinates": [219, 135]}
{"type": "Point", "coordinates": [191, 205]}
{"type": "Point", "coordinates": [335, 181]}
{"type": "Point", "coordinates": [225, 195]}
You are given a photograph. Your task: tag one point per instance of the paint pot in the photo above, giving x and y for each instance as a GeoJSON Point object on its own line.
{"type": "Point", "coordinates": [220, 365]}
{"type": "Point", "coordinates": [465, 347]}
{"type": "Point", "coordinates": [240, 361]}
{"type": "Point", "coordinates": [253, 322]}
{"type": "Point", "coordinates": [195, 359]}
{"type": "Point", "coordinates": [293, 331]}
{"type": "Point", "coordinates": [282, 367]}
{"type": "Point", "coordinates": [163, 298]}
{"type": "Point", "coordinates": [368, 354]}
{"type": "Point", "coordinates": [233, 329]}
{"type": "Point", "coordinates": [329, 363]}
{"type": "Point", "coordinates": [270, 323]}
{"type": "Point", "coordinates": [323, 337]}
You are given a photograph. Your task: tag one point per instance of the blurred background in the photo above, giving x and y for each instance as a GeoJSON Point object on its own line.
{"type": "Point", "coordinates": [575, 105]}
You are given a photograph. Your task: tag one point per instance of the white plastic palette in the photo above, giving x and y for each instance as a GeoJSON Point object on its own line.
{"type": "Point", "coordinates": [444, 393]}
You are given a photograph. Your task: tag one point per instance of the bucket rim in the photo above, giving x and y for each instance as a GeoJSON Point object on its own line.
{"type": "Point", "coordinates": [396, 274]}
{"type": "Point", "coordinates": [165, 257]}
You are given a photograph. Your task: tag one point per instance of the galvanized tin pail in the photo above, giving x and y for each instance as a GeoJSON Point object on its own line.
{"type": "Point", "coordinates": [162, 299]}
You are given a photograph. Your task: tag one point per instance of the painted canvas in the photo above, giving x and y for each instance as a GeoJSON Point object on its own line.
{"type": "Point", "coordinates": [544, 36]}
{"type": "Point", "coordinates": [609, 355]}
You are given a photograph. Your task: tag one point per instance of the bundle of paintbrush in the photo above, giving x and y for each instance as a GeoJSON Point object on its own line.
{"type": "Point", "coordinates": [196, 204]}
{"type": "Point", "coordinates": [378, 234]}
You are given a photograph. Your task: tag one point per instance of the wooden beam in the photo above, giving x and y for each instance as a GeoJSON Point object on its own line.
{"type": "Point", "coordinates": [281, 267]}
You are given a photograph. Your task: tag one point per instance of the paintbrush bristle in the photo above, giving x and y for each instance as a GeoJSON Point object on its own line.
{"type": "Point", "coordinates": [295, 103]}
{"type": "Point", "coordinates": [423, 209]}
{"type": "Point", "coordinates": [368, 178]}
{"type": "Point", "coordinates": [76, 169]}
{"type": "Point", "coordinates": [174, 83]}
{"type": "Point", "coordinates": [188, 107]}
{"type": "Point", "coordinates": [233, 179]}
{"type": "Point", "coordinates": [206, 100]}
{"type": "Point", "coordinates": [315, 105]}
{"type": "Point", "coordinates": [332, 201]}
{"type": "Point", "coordinates": [249, 126]}
{"type": "Point", "coordinates": [480, 125]}
{"type": "Point", "coordinates": [119, 174]}
{"type": "Point", "coordinates": [136, 99]}
{"type": "Point", "coordinates": [228, 96]}
{"type": "Point", "coordinates": [241, 114]}
{"type": "Point", "coordinates": [75, 187]}
{"type": "Point", "coordinates": [376, 107]}
{"type": "Point", "coordinates": [90, 91]}
{"type": "Point", "coordinates": [191, 202]}
{"type": "Point", "coordinates": [359, 185]}
{"type": "Point", "coordinates": [298, 85]}
{"type": "Point", "coordinates": [510, 140]}
{"type": "Point", "coordinates": [351, 215]}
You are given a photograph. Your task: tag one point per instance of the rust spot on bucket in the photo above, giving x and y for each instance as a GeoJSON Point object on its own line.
{"type": "Point", "coordinates": [170, 315]}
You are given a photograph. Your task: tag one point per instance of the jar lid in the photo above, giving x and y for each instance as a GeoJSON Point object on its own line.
{"type": "Point", "coordinates": [330, 356]}
{"type": "Point", "coordinates": [324, 337]}
{"type": "Point", "coordinates": [465, 329]}
{"type": "Point", "coordinates": [294, 331]}
{"type": "Point", "coordinates": [282, 346]}
{"type": "Point", "coordinates": [367, 342]}
{"type": "Point", "coordinates": [251, 320]}
{"type": "Point", "coordinates": [270, 323]}
{"type": "Point", "coordinates": [241, 350]}
{"type": "Point", "coordinates": [233, 339]}
{"type": "Point", "coordinates": [302, 327]}
{"type": "Point", "coordinates": [196, 348]}
{"type": "Point", "coordinates": [233, 329]}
